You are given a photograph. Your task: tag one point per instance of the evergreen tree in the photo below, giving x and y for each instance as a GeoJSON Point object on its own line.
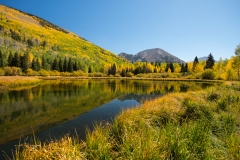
{"type": "Point", "coordinates": [186, 67]}
{"type": "Point", "coordinates": [10, 59]}
{"type": "Point", "coordinates": [171, 67]}
{"type": "Point", "coordinates": [44, 63]}
{"type": "Point", "coordinates": [65, 65]}
{"type": "Point", "coordinates": [38, 65]}
{"type": "Point", "coordinates": [123, 73]}
{"type": "Point", "coordinates": [16, 60]}
{"type": "Point", "coordinates": [90, 69]}
{"type": "Point", "coordinates": [210, 62]}
{"type": "Point", "coordinates": [25, 62]}
{"type": "Point", "coordinates": [1, 59]}
{"type": "Point", "coordinates": [75, 66]}
{"type": "Point", "coordinates": [70, 65]}
{"type": "Point", "coordinates": [195, 62]}
{"type": "Point", "coordinates": [113, 69]}
{"type": "Point", "coordinates": [167, 66]}
{"type": "Point", "coordinates": [60, 65]}
{"type": "Point", "coordinates": [155, 70]}
{"type": "Point", "coordinates": [34, 64]}
{"type": "Point", "coordinates": [182, 68]}
{"type": "Point", "coordinates": [55, 65]}
{"type": "Point", "coordinates": [237, 53]}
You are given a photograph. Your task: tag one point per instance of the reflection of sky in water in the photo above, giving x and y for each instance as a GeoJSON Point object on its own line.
{"type": "Point", "coordinates": [53, 98]}
{"type": "Point", "coordinates": [104, 113]}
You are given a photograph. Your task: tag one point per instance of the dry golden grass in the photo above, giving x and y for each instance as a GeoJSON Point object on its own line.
{"type": "Point", "coordinates": [13, 82]}
{"type": "Point", "coordinates": [66, 148]}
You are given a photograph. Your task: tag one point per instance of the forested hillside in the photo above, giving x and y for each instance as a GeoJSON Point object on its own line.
{"type": "Point", "coordinates": [39, 41]}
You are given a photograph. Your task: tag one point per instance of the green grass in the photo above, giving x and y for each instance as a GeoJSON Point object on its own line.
{"type": "Point", "coordinates": [194, 125]}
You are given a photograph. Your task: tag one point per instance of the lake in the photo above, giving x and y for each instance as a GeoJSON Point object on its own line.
{"type": "Point", "coordinates": [58, 107]}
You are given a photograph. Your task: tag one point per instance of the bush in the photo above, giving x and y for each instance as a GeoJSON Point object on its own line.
{"type": "Point", "coordinates": [31, 72]}
{"type": "Point", "coordinates": [96, 74]}
{"type": "Point", "coordinates": [43, 72]}
{"type": "Point", "coordinates": [66, 74]}
{"type": "Point", "coordinates": [129, 74]}
{"type": "Point", "coordinates": [54, 73]}
{"type": "Point", "coordinates": [78, 73]}
{"type": "Point", "coordinates": [12, 71]}
{"type": "Point", "coordinates": [117, 75]}
{"type": "Point", "coordinates": [208, 74]}
{"type": "Point", "coordinates": [2, 72]}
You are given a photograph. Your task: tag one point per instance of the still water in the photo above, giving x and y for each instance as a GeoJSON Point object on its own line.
{"type": "Point", "coordinates": [58, 107]}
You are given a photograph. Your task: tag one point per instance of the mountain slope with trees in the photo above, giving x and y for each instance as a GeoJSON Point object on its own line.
{"type": "Point", "coordinates": [45, 43]}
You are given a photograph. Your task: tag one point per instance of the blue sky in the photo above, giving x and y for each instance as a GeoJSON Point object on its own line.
{"type": "Point", "coordinates": [184, 28]}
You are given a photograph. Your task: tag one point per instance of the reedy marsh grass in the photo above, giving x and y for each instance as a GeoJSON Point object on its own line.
{"type": "Point", "coordinates": [16, 82]}
{"type": "Point", "coordinates": [194, 125]}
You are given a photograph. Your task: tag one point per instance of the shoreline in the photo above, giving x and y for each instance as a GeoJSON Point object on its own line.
{"type": "Point", "coordinates": [132, 78]}
{"type": "Point", "coordinates": [197, 124]}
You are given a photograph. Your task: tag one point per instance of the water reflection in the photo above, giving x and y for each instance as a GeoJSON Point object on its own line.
{"type": "Point", "coordinates": [56, 101]}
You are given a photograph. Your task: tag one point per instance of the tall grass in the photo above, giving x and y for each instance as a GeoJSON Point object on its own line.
{"type": "Point", "coordinates": [65, 148]}
{"type": "Point", "coordinates": [193, 125]}
{"type": "Point", "coordinates": [14, 82]}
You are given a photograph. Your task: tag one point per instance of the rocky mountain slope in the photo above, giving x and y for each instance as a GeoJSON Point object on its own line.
{"type": "Point", "coordinates": [151, 55]}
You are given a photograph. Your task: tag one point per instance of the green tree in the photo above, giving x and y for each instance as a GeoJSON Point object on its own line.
{"type": "Point", "coordinates": [171, 67]}
{"type": "Point", "coordinates": [70, 65]}
{"type": "Point", "coordinates": [186, 67]}
{"type": "Point", "coordinates": [237, 53]}
{"type": "Point", "coordinates": [16, 60]}
{"type": "Point", "coordinates": [113, 69]}
{"type": "Point", "coordinates": [34, 64]}
{"type": "Point", "coordinates": [44, 63]}
{"type": "Point", "coordinates": [167, 66]}
{"type": "Point", "coordinates": [182, 68]}
{"type": "Point", "coordinates": [55, 65]}
{"type": "Point", "coordinates": [90, 69]}
{"type": "Point", "coordinates": [210, 62]}
{"type": "Point", "coordinates": [1, 59]}
{"type": "Point", "coordinates": [75, 66]}
{"type": "Point", "coordinates": [10, 59]}
{"type": "Point", "coordinates": [60, 65]}
{"type": "Point", "coordinates": [25, 62]}
{"type": "Point", "coordinates": [195, 63]}
{"type": "Point", "coordinates": [38, 65]}
{"type": "Point", "coordinates": [65, 65]}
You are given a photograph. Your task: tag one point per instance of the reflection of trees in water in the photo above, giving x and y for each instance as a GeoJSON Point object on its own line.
{"type": "Point", "coordinates": [67, 98]}
{"type": "Point", "coordinates": [184, 88]}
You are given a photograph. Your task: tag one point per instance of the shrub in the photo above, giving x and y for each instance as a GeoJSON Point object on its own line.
{"type": "Point", "coordinates": [97, 74]}
{"type": "Point", "coordinates": [31, 72]}
{"type": "Point", "coordinates": [78, 73]}
{"type": "Point", "coordinates": [2, 72]}
{"type": "Point", "coordinates": [54, 73]}
{"type": "Point", "coordinates": [66, 74]}
{"type": "Point", "coordinates": [208, 74]}
{"type": "Point", "coordinates": [43, 72]}
{"type": "Point", "coordinates": [12, 71]}
{"type": "Point", "coordinates": [117, 75]}
{"type": "Point", "coordinates": [129, 74]}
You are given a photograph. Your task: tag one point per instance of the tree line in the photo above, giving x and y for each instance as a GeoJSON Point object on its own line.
{"type": "Point", "coordinates": [223, 69]}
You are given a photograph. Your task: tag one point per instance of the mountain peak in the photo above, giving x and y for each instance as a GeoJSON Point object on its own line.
{"type": "Point", "coordinates": [152, 55]}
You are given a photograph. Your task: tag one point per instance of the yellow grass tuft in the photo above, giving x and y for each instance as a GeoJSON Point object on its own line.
{"type": "Point", "coordinates": [66, 148]}
{"type": "Point", "coordinates": [12, 82]}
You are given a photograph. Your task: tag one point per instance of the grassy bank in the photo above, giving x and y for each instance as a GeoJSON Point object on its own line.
{"type": "Point", "coordinates": [17, 82]}
{"type": "Point", "coordinates": [193, 125]}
